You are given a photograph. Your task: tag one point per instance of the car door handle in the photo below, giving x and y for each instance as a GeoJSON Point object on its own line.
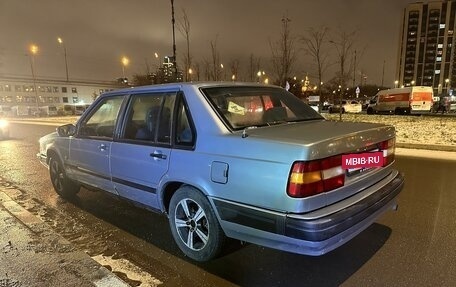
{"type": "Point", "coordinates": [103, 147]}
{"type": "Point", "coordinates": [158, 155]}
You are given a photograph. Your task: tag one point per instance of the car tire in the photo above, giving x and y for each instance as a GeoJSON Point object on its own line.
{"type": "Point", "coordinates": [194, 225]}
{"type": "Point", "coordinates": [64, 186]}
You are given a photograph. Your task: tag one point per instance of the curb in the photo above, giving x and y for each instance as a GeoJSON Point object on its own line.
{"type": "Point", "coordinates": [426, 147]}
{"type": "Point", "coordinates": [99, 275]}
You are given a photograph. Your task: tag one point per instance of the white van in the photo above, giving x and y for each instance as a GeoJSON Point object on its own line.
{"type": "Point", "coordinates": [48, 110]}
{"type": "Point", "coordinates": [6, 111]}
{"type": "Point", "coordinates": [408, 100]}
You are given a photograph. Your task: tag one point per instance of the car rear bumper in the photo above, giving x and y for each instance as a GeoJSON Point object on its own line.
{"type": "Point", "coordinates": [299, 234]}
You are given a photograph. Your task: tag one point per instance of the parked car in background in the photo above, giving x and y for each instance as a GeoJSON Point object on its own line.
{"type": "Point", "coordinates": [348, 106]}
{"type": "Point", "coordinates": [243, 161]}
{"type": "Point", "coordinates": [314, 105]}
{"type": "Point", "coordinates": [4, 128]}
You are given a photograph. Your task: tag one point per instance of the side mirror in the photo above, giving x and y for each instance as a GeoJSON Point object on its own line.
{"type": "Point", "coordinates": [66, 130]}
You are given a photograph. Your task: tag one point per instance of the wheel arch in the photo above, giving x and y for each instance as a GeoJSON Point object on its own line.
{"type": "Point", "coordinates": [171, 187]}
{"type": "Point", "coordinates": [50, 153]}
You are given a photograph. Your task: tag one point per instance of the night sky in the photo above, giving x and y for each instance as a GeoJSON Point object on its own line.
{"type": "Point", "coordinates": [97, 33]}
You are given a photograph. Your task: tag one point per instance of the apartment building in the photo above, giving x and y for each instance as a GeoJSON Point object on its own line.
{"type": "Point", "coordinates": [427, 53]}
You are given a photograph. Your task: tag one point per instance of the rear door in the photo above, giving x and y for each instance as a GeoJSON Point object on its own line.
{"type": "Point", "coordinates": [140, 157]}
{"type": "Point", "coordinates": [421, 101]}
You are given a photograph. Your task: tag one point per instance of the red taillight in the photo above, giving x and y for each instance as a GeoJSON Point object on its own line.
{"type": "Point", "coordinates": [388, 148]}
{"type": "Point", "coordinates": [309, 178]}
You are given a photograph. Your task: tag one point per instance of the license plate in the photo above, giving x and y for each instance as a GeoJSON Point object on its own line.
{"type": "Point", "coordinates": [359, 162]}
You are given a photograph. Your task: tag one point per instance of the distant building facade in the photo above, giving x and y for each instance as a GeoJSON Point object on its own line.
{"type": "Point", "coordinates": [26, 93]}
{"type": "Point", "coordinates": [427, 54]}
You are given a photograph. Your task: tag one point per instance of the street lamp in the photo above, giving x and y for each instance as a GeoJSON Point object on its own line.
{"type": "Point", "coordinates": [190, 72]}
{"type": "Point", "coordinates": [158, 60]}
{"type": "Point", "coordinates": [412, 83]}
{"type": "Point", "coordinates": [65, 55]}
{"type": "Point", "coordinates": [223, 72]}
{"type": "Point", "coordinates": [447, 83]}
{"type": "Point", "coordinates": [33, 51]}
{"type": "Point", "coordinates": [396, 83]}
{"type": "Point", "coordinates": [125, 61]}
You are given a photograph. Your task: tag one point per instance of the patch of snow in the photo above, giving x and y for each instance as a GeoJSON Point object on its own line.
{"type": "Point", "coordinates": [430, 130]}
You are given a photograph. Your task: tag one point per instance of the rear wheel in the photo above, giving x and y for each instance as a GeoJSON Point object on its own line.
{"type": "Point", "coordinates": [194, 225]}
{"type": "Point", "coordinates": [64, 186]}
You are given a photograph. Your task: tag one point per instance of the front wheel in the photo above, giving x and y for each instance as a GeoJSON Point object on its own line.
{"type": "Point", "coordinates": [64, 186]}
{"type": "Point", "coordinates": [194, 225]}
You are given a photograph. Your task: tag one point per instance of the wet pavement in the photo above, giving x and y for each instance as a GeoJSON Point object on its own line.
{"type": "Point", "coordinates": [411, 247]}
{"type": "Point", "coordinates": [32, 254]}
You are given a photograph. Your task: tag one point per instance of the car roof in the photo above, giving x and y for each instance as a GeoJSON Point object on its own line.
{"type": "Point", "coordinates": [182, 85]}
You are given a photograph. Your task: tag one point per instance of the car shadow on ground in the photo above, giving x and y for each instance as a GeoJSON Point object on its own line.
{"type": "Point", "coordinates": [258, 266]}
{"type": "Point", "coordinates": [245, 265]}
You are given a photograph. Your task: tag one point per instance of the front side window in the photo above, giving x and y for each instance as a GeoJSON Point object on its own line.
{"type": "Point", "coordinates": [241, 107]}
{"type": "Point", "coordinates": [102, 121]}
{"type": "Point", "coordinates": [148, 117]}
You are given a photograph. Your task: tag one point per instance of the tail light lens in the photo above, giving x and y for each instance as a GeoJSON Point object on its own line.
{"type": "Point", "coordinates": [309, 178]}
{"type": "Point", "coordinates": [388, 148]}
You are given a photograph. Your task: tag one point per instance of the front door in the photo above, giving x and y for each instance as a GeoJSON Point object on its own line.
{"type": "Point", "coordinates": [90, 148]}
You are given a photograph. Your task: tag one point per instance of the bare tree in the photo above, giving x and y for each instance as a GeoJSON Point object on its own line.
{"type": "Point", "coordinates": [197, 71]}
{"type": "Point", "coordinates": [184, 28]}
{"type": "Point", "coordinates": [314, 42]}
{"type": "Point", "coordinates": [283, 53]}
{"type": "Point", "coordinates": [344, 43]}
{"type": "Point", "coordinates": [216, 70]}
{"type": "Point", "coordinates": [234, 67]}
{"type": "Point", "coordinates": [207, 69]}
{"type": "Point", "coordinates": [254, 67]}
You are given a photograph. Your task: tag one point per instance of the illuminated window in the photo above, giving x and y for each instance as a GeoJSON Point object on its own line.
{"type": "Point", "coordinates": [437, 72]}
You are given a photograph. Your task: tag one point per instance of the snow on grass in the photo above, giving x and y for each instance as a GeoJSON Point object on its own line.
{"type": "Point", "coordinates": [432, 130]}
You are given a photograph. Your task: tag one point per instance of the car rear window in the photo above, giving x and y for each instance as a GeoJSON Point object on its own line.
{"type": "Point", "coordinates": [241, 107]}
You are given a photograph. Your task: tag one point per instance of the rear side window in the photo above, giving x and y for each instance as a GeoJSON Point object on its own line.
{"type": "Point", "coordinates": [149, 118]}
{"type": "Point", "coordinates": [241, 107]}
{"type": "Point", "coordinates": [185, 133]}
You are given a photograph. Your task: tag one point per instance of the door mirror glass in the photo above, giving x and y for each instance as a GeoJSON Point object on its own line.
{"type": "Point", "coordinates": [66, 130]}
